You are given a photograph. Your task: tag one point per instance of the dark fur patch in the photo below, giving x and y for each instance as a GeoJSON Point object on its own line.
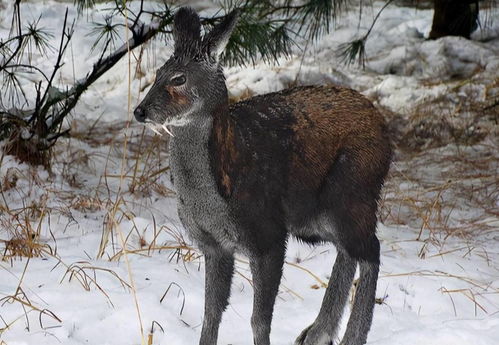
{"type": "Point", "coordinates": [340, 158]}
{"type": "Point", "coordinates": [223, 142]}
{"type": "Point", "coordinates": [293, 155]}
{"type": "Point", "coordinates": [250, 154]}
{"type": "Point", "coordinates": [186, 33]}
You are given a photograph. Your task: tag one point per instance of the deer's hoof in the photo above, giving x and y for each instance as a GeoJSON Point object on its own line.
{"type": "Point", "coordinates": [312, 335]}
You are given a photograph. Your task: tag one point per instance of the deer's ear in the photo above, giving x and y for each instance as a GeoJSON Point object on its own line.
{"type": "Point", "coordinates": [186, 33]}
{"type": "Point", "coordinates": [215, 41]}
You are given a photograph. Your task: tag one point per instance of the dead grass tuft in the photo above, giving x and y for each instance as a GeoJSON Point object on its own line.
{"type": "Point", "coordinates": [22, 247]}
{"type": "Point", "coordinates": [443, 192]}
{"type": "Point", "coordinates": [21, 298]}
{"type": "Point", "coordinates": [444, 180]}
{"type": "Point", "coordinates": [86, 275]}
{"type": "Point", "coordinates": [465, 115]}
{"type": "Point", "coordinates": [10, 179]}
{"type": "Point", "coordinates": [85, 203]}
{"type": "Point", "coordinates": [24, 227]}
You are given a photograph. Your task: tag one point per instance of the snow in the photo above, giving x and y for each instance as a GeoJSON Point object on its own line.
{"type": "Point", "coordinates": [435, 288]}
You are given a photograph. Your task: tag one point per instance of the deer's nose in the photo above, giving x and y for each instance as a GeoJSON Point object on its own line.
{"type": "Point", "coordinates": [140, 114]}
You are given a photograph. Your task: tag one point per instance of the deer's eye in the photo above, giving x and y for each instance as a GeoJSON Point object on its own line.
{"type": "Point", "coordinates": [178, 80]}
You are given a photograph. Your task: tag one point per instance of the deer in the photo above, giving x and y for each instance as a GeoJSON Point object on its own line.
{"type": "Point", "coordinates": [307, 162]}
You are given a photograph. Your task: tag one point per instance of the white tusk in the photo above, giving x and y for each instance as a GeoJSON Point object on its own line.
{"type": "Point", "coordinates": [167, 130]}
{"type": "Point", "coordinates": [152, 128]}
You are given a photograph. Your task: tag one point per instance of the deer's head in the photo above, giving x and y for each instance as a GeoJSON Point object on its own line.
{"type": "Point", "coordinates": [192, 79]}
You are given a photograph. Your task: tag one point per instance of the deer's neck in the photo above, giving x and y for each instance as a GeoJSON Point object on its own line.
{"type": "Point", "coordinates": [194, 151]}
{"type": "Point", "coordinates": [190, 158]}
{"type": "Point", "coordinates": [201, 206]}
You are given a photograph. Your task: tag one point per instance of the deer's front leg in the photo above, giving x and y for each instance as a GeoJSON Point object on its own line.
{"type": "Point", "coordinates": [267, 272]}
{"type": "Point", "coordinates": [219, 270]}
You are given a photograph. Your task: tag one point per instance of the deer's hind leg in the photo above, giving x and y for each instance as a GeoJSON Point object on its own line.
{"type": "Point", "coordinates": [365, 297]}
{"type": "Point", "coordinates": [323, 329]}
{"type": "Point", "coordinates": [352, 205]}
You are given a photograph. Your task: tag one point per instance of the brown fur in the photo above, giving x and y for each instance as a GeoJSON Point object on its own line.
{"type": "Point", "coordinates": [176, 96]}
{"type": "Point", "coordinates": [328, 119]}
{"type": "Point", "coordinates": [323, 122]}
{"type": "Point", "coordinates": [223, 136]}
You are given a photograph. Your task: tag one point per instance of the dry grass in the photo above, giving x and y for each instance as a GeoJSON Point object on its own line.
{"type": "Point", "coordinates": [20, 297]}
{"type": "Point", "coordinates": [83, 272]}
{"type": "Point", "coordinates": [116, 196]}
{"type": "Point", "coordinates": [134, 171]}
{"type": "Point", "coordinates": [24, 227]}
{"type": "Point", "coordinates": [444, 180]}
{"type": "Point", "coordinates": [444, 192]}
{"type": "Point", "coordinates": [135, 166]}
{"type": "Point", "coordinates": [477, 292]}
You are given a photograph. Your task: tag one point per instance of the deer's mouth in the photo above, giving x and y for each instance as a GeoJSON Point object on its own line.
{"type": "Point", "coordinates": [179, 120]}
{"type": "Point", "coordinates": [158, 128]}
{"type": "Point", "coordinates": [165, 127]}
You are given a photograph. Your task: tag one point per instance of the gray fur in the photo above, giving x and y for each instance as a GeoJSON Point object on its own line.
{"type": "Point", "coordinates": [219, 270]}
{"type": "Point", "coordinates": [266, 271]}
{"type": "Point", "coordinates": [206, 215]}
{"type": "Point", "coordinates": [200, 206]}
{"type": "Point", "coordinates": [324, 328]}
{"type": "Point", "coordinates": [362, 311]}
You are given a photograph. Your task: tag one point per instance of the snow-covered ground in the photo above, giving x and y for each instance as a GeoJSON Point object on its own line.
{"type": "Point", "coordinates": [439, 279]}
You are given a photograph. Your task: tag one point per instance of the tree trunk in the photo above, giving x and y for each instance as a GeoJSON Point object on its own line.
{"type": "Point", "coordinates": [454, 18]}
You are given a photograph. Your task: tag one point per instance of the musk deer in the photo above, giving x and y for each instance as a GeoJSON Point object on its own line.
{"type": "Point", "coordinates": [307, 161]}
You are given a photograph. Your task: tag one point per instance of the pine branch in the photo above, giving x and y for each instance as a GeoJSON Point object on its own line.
{"type": "Point", "coordinates": [82, 5]}
{"type": "Point", "coordinates": [10, 57]}
{"type": "Point", "coordinates": [356, 49]}
{"type": "Point", "coordinates": [107, 31]}
{"type": "Point", "coordinates": [29, 67]}
{"type": "Point", "coordinates": [254, 40]}
{"type": "Point", "coordinates": [19, 37]}
{"type": "Point", "coordinates": [316, 16]}
{"type": "Point", "coordinates": [262, 33]}
{"type": "Point", "coordinates": [62, 49]}
{"type": "Point", "coordinates": [53, 104]}
{"type": "Point", "coordinates": [141, 34]}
